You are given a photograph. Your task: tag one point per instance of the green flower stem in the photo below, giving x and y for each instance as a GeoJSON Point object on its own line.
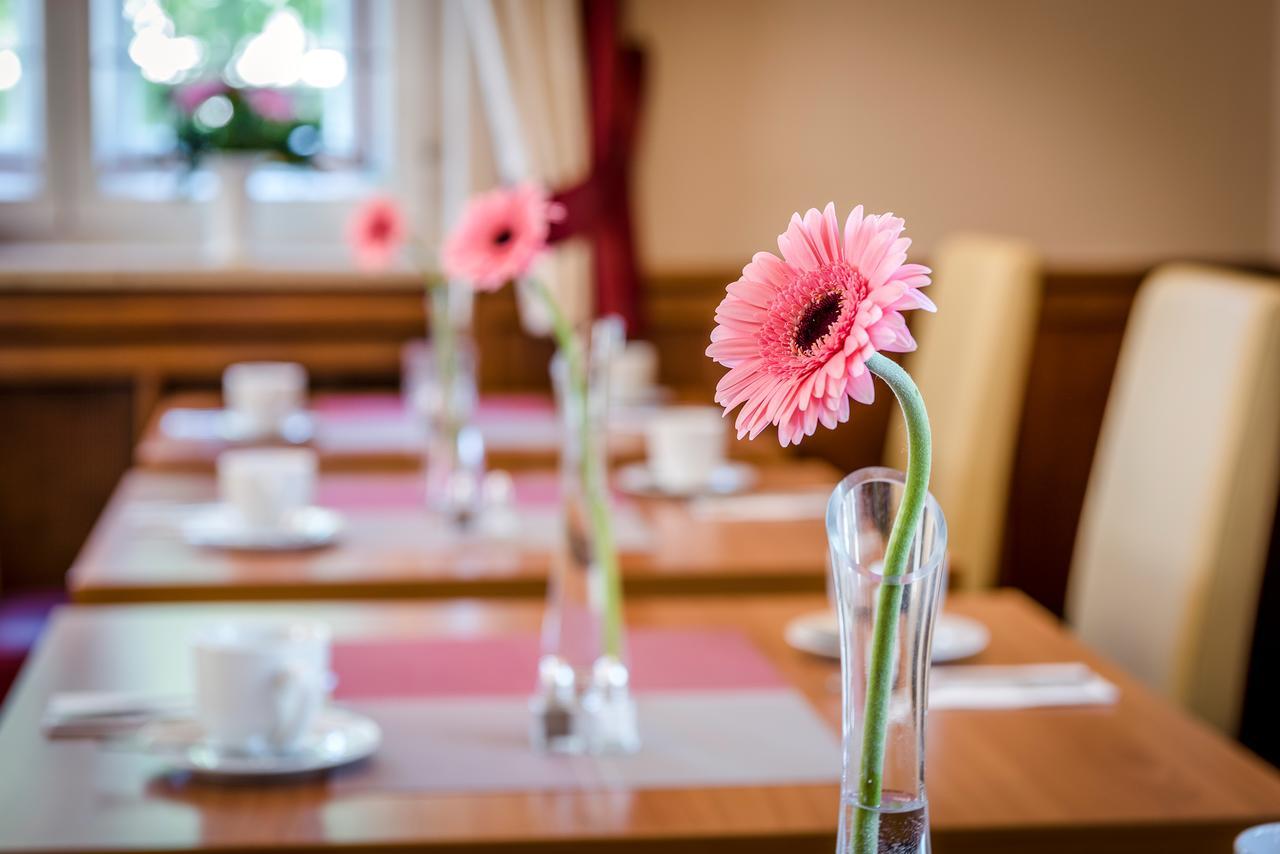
{"type": "Point", "coordinates": [442, 340]}
{"type": "Point", "coordinates": [884, 639]}
{"type": "Point", "coordinates": [442, 333]}
{"type": "Point", "coordinates": [594, 482]}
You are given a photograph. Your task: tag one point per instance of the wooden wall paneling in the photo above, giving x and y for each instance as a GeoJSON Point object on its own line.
{"type": "Point", "coordinates": [1082, 323]}
{"type": "Point", "coordinates": [62, 449]}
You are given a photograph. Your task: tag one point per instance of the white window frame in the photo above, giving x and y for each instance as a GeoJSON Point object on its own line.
{"type": "Point", "coordinates": [72, 207]}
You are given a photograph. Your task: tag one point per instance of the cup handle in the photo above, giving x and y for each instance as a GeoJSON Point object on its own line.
{"type": "Point", "coordinates": [298, 694]}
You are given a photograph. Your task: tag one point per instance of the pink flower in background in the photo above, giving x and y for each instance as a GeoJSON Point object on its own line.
{"type": "Point", "coordinates": [796, 331]}
{"type": "Point", "coordinates": [271, 104]}
{"type": "Point", "coordinates": [376, 232]}
{"type": "Point", "coordinates": [189, 98]}
{"type": "Point", "coordinates": [499, 235]}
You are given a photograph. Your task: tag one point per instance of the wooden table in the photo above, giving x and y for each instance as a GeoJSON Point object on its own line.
{"type": "Point", "coordinates": [136, 552]}
{"type": "Point", "coordinates": [1136, 777]}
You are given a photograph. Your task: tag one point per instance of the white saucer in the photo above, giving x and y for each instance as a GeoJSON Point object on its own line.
{"type": "Point", "coordinates": [954, 637]}
{"type": "Point", "coordinates": [221, 527]}
{"type": "Point", "coordinates": [338, 737]}
{"type": "Point", "coordinates": [295, 429]}
{"type": "Point", "coordinates": [728, 479]}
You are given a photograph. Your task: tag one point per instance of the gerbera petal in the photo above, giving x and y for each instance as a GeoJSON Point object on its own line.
{"type": "Point", "coordinates": [796, 247]}
{"type": "Point", "coordinates": [769, 270]}
{"type": "Point", "coordinates": [855, 235]}
{"type": "Point", "coordinates": [861, 388]}
{"type": "Point", "coordinates": [753, 293]}
{"type": "Point", "coordinates": [913, 299]}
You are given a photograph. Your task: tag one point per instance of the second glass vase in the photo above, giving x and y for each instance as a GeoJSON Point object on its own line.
{"type": "Point", "coordinates": [455, 449]}
{"type": "Point", "coordinates": [583, 701]}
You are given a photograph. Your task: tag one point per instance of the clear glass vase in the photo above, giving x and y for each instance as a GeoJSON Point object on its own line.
{"type": "Point", "coordinates": [583, 701]}
{"type": "Point", "coordinates": [447, 397]}
{"type": "Point", "coordinates": [893, 616]}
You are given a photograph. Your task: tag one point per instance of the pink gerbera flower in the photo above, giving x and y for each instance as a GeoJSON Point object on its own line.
{"type": "Point", "coordinates": [376, 232]}
{"type": "Point", "coordinates": [500, 234]}
{"type": "Point", "coordinates": [796, 332]}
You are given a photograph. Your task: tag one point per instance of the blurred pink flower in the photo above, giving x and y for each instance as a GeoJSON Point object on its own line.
{"type": "Point", "coordinates": [499, 235]}
{"type": "Point", "coordinates": [796, 331]}
{"type": "Point", "coordinates": [270, 104]}
{"type": "Point", "coordinates": [189, 98]}
{"type": "Point", "coordinates": [376, 232]}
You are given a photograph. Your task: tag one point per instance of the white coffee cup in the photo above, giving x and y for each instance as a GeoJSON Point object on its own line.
{"type": "Point", "coordinates": [259, 685]}
{"type": "Point", "coordinates": [261, 396]}
{"type": "Point", "coordinates": [267, 486]}
{"type": "Point", "coordinates": [633, 373]}
{"type": "Point", "coordinates": [686, 444]}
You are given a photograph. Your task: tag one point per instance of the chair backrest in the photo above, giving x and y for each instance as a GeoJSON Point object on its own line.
{"type": "Point", "coordinates": [1177, 518]}
{"type": "Point", "coordinates": [972, 366]}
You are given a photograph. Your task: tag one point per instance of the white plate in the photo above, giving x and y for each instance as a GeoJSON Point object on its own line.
{"type": "Point", "coordinates": [954, 637]}
{"type": "Point", "coordinates": [221, 527]}
{"type": "Point", "coordinates": [338, 737]}
{"type": "Point", "coordinates": [728, 479]}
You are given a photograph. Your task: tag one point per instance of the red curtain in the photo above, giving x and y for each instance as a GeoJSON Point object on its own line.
{"type": "Point", "coordinates": [599, 209]}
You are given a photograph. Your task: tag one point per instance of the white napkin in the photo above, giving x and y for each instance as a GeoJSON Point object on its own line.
{"type": "Point", "coordinates": [1018, 686]}
{"type": "Point", "coordinates": [99, 714]}
{"type": "Point", "coordinates": [763, 507]}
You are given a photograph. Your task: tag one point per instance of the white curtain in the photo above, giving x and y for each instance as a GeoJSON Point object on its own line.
{"type": "Point", "coordinates": [531, 71]}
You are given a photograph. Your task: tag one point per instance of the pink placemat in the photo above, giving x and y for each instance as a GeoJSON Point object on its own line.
{"type": "Point", "coordinates": [491, 407]}
{"type": "Point", "coordinates": [338, 406]}
{"type": "Point", "coordinates": [506, 665]}
{"type": "Point", "coordinates": [365, 493]}
{"type": "Point", "coordinates": [499, 407]}
{"type": "Point", "coordinates": [361, 492]}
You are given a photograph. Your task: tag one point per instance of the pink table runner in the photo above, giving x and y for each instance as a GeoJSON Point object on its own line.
{"type": "Point", "coordinates": [496, 406]}
{"type": "Point", "coordinates": [363, 492]}
{"type": "Point", "coordinates": [713, 712]}
{"type": "Point", "coordinates": [661, 660]}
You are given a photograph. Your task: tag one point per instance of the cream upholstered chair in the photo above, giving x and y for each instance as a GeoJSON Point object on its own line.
{"type": "Point", "coordinates": [1177, 517]}
{"type": "Point", "coordinates": [972, 369]}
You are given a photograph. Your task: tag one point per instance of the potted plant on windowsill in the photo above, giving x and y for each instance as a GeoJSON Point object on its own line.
{"type": "Point", "coordinates": [232, 130]}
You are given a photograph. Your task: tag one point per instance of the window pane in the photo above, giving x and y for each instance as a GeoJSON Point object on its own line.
{"type": "Point", "coordinates": [150, 55]}
{"type": "Point", "coordinates": [21, 98]}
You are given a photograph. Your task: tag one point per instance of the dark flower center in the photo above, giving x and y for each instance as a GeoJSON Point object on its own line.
{"type": "Point", "coordinates": [817, 320]}
{"type": "Point", "coordinates": [503, 237]}
{"type": "Point", "coordinates": [380, 228]}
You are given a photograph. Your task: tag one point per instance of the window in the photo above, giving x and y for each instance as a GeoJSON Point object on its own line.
{"type": "Point", "coordinates": [102, 161]}
{"type": "Point", "coordinates": [152, 60]}
{"type": "Point", "coordinates": [21, 98]}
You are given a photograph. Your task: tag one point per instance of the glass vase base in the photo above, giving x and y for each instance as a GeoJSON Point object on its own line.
{"type": "Point", "coordinates": [901, 826]}
{"type": "Point", "coordinates": [583, 713]}
{"type": "Point", "coordinates": [455, 474]}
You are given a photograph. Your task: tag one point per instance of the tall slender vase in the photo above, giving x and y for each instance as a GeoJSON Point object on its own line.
{"type": "Point", "coordinates": [455, 449]}
{"type": "Point", "coordinates": [583, 701]}
{"type": "Point", "coordinates": [859, 518]}
{"type": "Point", "coordinates": [227, 214]}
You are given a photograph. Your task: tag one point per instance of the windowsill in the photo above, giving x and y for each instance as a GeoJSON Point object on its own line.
{"type": "Point", "coordinates": [20, 186]}
{"type": "Point", "coordinates": [121, 266]}
{"type": "Point", "coordinates": [268, 183]}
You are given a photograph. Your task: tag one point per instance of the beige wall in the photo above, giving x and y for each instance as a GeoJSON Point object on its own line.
{"type": "Point", "coordinates": [1110, 132]}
